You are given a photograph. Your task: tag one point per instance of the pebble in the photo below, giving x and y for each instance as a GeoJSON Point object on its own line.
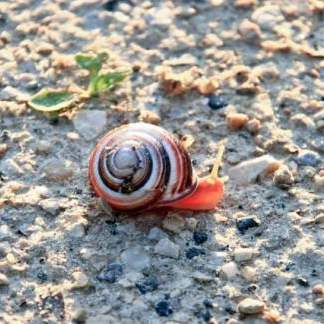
{"type": "Point", "coordinates": [79, 315]}
{"type": "Point", "coordinates": [50, 205]}
{"type": "Point", "coordinates": [268, 17]}
{"type": "Point", "coordinates": [193, 252]}
{"type": "Point", "coordinates": [167, 248]}
{"type": "Point", "coordinates": [283, 177]}
{"type": "Point", "coordinates": [319, 182]}
{"type": "Point", "coordinates": [112, 272]}
{"type": "Point", "coordinates": [136, 258]}
{"type": "Point", "coordinates": [244, 4]}
{"type": "Point", "coordinates": [111, 5]}
{"type": "Point", "coordinates": [43, 147]}
{"type": "Point", "coordinates": [318, 289]}
{"type": "Point", "coordinates": [253, 126]}
{"type": "Point", "coordinates": [156, 234]}
{"type": "Point", "coordinates": [236, 121]}
{"type": "Point", "coordinates": [229, 270]}
{"type": "Point", "coordinates": [249, 31]}
{"type": "Point", "coordinates": [163, 308]}
{"type": "Point", "coordinates": [247, 171]}
{"type": "Point", "coordinates": [303, 121]}
{"type": "Point", "coordinates": [319, 219]}
{"type": "Point", "coordinates": [58, 170]}
{"type": "Point", "coordinates": [302, 282]}
{"type": "Point", "coordinates": [81, 280]}
{"type": "Point", "coordinates": [200, 237]}
{"type": "Point", "coordinates": [150, 117]}
{"type": "Point", "coordinates": [11, 93]}
{"type": "Point", "coordinates": [201, 277]}
{"type": "Point", "coordinates": [3, 149]}
{"type": "Point", "coordinates": [250, 306]}
{"type": "Point", "coordinates": [216, 102]}
{"type": "Point", "coordinates": [76, 231]}
{"type": "Point", "coordinates": [245, 223]}
{"type": "Point", "coordinates": [309, 158]}
{"type": "Point", "coordinates": [148, 284]}
{"type": "Point", "coordinates": [90, 123]}
{"type": "Point", "coordinates": [243, 254]}
{"type": "Point", "coordinates": [4, 281]}
{"type": "Point", "coordinates": [5, 232]}
{"type": "Point", "coordinates": [173, 223]}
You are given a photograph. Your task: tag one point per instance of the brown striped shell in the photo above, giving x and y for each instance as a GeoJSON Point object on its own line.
{"type": "Point", "coordinates": [140, 166]}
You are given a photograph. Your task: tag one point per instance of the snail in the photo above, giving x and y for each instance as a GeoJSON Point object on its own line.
{"type": "Point", "coordinates": [141, 166]}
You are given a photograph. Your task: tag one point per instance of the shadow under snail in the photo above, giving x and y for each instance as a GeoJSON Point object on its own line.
{"type": "Point", "coordinates": [140, 166]}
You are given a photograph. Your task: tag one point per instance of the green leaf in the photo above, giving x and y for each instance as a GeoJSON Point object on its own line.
{"type": "Point", "coordinates": [51, 100]}
{"type": "Point", "coordinates": [107, 81]}
{"type": "Point", "coordinates": [91, 63]}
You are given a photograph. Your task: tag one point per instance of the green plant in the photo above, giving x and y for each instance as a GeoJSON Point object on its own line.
{"type": "Point", "coordinates": [52, 101]}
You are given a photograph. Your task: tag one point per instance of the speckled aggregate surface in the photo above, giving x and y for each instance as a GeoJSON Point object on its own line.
{"type": "Point", "coordinates": [64, 259]}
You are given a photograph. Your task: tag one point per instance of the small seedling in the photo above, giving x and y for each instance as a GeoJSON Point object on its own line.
{"type": "Point", "coordinates": [52, 101]}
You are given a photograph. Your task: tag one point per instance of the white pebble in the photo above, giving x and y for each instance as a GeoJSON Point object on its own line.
{"type": "Point", "coordinates": [246, 172]}
{"type": "Point", "coordinates": [243, 254]}
{"type": "Point", "coordinates": [251, 306]}
{"type": "Point", "coordinates": [167, 248]}
{"type": "Point", "coordinates": [156, 234]}
{"type": "Point", "coordinates": [229, 270]}
{"type": "Point", "coordinates": [136, 258]}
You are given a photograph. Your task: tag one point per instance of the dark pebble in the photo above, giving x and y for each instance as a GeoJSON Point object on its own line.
{"type": "Point", "coordinates": [193, 252]}
{"type": "Point", "coordinates": [42, 276]}
{"type": "Point", "coordinates": [163, 308]}
{"type": "Point", "coordinates": [208, 304]}
{"type": "Point", "coordinates": [216, 102]}
{"type": "Point", "coordinates": [303, 282]}
{"type": "Point", "coordinates": [111, 273]}
{"type": "Point", "coordinates": [244, 223]}
{"type": "Point", "coordinates": [147, 284]}
{"type": "Point", "coordinates": [230, 310]}
{"type": "Point", "coordinates": [200, 237]}
{"type": "Point", "coordinates": [112, 4]}
{"type": "Point", "coordinates": [308, 159]}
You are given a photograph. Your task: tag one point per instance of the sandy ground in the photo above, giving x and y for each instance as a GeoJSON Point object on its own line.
{"type": "Point", "coordinates": [259, 257]}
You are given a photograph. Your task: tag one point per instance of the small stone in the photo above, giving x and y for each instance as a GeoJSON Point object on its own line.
{"type": "Point", "coordinates": [249, 31]}
{"type": "Point", "coordinates": [4, 281]}
{"type": "Point", "coordinates": [173, 223]}
{"type": "Point", "coordinates": [156, 234]}
{"type": "Point", "coordinates": [111, 273]}
{"type": "Point", "coordinates": [76, 231]}
{"type": "Point", "coordinates": [58, 170]}
{"type": "Point", "coordinates": [200, 237]}
{"type": "Point", "coordinates": [247, 171]}
{"type": "Point", "coordinates": [309, 158]}
{"type": "Point", "coordinates": [251, 306]}
{"type": "Point", "coordinates": [229, 270]}
{"type": "Point", "coordinates": [148, 284]}
{"type": "Point", "coordinates": [201, 277]}
{"type": "Point", "coordinates": [319, 219]}
{"type": "Point", "coordinates": [43, 147]}
{"type": "Point", "coordinates": [283, 177]}
{"type": "Point", "coordinates": [45, 49]}
{"type": "Point", "coordinates": [268, 16]}
{"type": "Point", "coordinates": [151, 117]}
{"type": "Point", "coordinates": [9, 93]}
{"type": "Point", "coordinates": [163, 308]}
{"type": "Point", "coordinates": [193, 252]}
{"type": "Point", "coordinates": [167, 248]}
{"type": "Point", "coordinates": [236, 121]}
{"type": "Point", "coordinates": [302, 120]}
{"type": "Point", "coordinates": [216, 102]}
{"type": "Point", "coordinates": [50, 205]}
{"type": "Point", "coordinates": [191, 223]}
{"type": "Point", "coordinates": [245, 3]}
{"type": "Point", "coordinates": [245, 223]}
{"type": "Point", "coordinates": [79, 315]}
{"type": "Point", "coordinates": [3, 149]}
{"type": "Point", "coordinates": [5, 232]}
{"type": "Point", "coordinates": [253, 126]}
{"type": "Point", "coordinates": [90, 123]}
{"type": "Point", "coordinates": [111, 5]}
{"type": "Point", "coordinates": [136, 258]}
{"type": "Point", "coordinates": [249, 274]}
{"type": "Point", "coordinates": [243, 254]}
{"type": "Point", "coordinates": [81, 280]}
{"type": "Point", "coordinates": [319, 182]}
{"type": "Point", "coordinates": [318, 289]}
{"type": "Point", "coordinates": [302, 282]}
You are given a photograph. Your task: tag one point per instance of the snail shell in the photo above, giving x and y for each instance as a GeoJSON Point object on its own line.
{"type": "Point", "coordinates": [141, 166]}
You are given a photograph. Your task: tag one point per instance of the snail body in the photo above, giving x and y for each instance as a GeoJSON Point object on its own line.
{"type": "Point", "coordinates": [140, 166]}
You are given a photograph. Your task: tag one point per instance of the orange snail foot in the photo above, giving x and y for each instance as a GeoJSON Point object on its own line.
{"type": "Point", "coordinates": [206, 197]}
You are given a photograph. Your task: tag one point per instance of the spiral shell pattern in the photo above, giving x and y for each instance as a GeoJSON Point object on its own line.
{"type": "Point", "coordinates": [140, 166]}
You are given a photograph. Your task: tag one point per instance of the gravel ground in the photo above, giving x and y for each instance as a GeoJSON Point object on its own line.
{"type": "Point", "coordinates": [249, 72]}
